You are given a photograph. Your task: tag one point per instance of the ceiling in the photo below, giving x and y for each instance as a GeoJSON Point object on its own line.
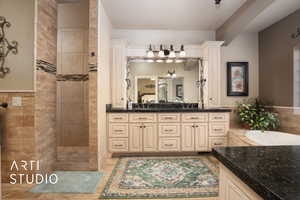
{"type": "Point", "coordinates": [170, 14]}
{"type": "Point", "coordinates": [278, 10]}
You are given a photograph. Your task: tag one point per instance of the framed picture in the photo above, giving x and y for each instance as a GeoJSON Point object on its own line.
{"type": "Point", "coordinates": [237, 79]}
{"type": "Point", "coordinates": [179, 91]}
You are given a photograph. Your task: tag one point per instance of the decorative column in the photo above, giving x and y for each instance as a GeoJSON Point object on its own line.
{"type": "Point", "coordinates": [94, 161]}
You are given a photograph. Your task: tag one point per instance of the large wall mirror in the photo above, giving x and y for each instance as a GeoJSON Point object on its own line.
{"type": "Point", "coordinates": [161, 82]}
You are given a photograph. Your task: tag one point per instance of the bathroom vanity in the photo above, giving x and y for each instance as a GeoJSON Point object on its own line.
{"type": "Point", "coordinates": [164, 80]}
{"type": "Point", "coordinates": [166, 130]}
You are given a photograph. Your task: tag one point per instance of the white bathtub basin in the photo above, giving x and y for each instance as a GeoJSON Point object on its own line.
{"type": "Point", "coordinates": [273, 138]}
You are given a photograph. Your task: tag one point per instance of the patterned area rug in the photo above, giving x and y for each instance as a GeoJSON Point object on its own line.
{"type": "Point", "coordinates": [163, 177]}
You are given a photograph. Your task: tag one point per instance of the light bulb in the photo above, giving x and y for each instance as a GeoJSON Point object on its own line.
{"type": "Point", "coordinates": [182, 52]}
{"type": "Point", "coordinates": [161, 52]}
{"type": "Point", "coordinates": [169, 61]}
{"type": "Point", "coordinates": [150, 61]}
{"type": "Point", "coordinates": [179, 61]}
{"type": "Point", "coordinates": [159, 61]}
{"type": "Point", "coordinates": [150, 53]}
{"type": "Point", "coordinates": [172, 52]}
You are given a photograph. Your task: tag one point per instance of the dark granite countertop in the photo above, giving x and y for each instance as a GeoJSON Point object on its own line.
{"type": "Point", "coordinates": [272, 172]}
{"type": "Point", "coordinates": [154, 110]}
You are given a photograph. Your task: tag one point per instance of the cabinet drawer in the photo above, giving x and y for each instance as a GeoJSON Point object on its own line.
{"type": "Point", "coordinates": [142, 118]}
{"type": "Point", "coordinates": [118, 130]}
{"type": "Point", "coordinates": [218, 129]}
{"type": "Point", "coordinates": [168, 118]}
{"type": "Point", "coordinates": [169, 130]}
{"type": "Point", "coordinates": [169, 144]}
{"type": "Point", "coordinates": [219, 117]}
{"type": "Point", "coordinates": [195, 117]}
{"type": "Point", "coordinates": [118, 145]}
{"type": "Point", "coordinates": [217, 142]}
{"type": "Point", "coordinates": [118, 117]}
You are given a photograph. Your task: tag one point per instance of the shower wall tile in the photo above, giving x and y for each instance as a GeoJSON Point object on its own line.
{"type": "Point", "coordinates": [45, 102]}
{"type": "Point", "coordinates": [17, 132]}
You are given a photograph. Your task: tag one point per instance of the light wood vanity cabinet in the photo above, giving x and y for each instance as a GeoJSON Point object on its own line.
{"type": "Point", "coordinates": [232, 188]}
{"type": "Point", "coordinates": [165, 132]}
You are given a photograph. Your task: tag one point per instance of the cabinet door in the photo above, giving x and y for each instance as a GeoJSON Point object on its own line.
{"type": "Point", "coordinates": [118, 71]}
{"type": "Point", "coordinates": [150, 137]}
{"type": "Point", "coordinates": [201, 137]}
{"type": "Point", "coordinates": [212, 61]}
{"type": "Point", "coordinates": [188, 137]}
{"type": "Point", "coordinates": [232, 188]}
{"type": "Point", "coordinates": [135, 137]}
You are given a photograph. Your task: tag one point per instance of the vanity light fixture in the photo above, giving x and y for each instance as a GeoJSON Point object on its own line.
{"type": "Point", "coordinates": [165, 52]}
{"type": "Point", "coordinates": [150, 52]}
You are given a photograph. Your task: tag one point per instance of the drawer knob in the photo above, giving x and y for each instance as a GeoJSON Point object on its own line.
{"type": "Point", "coordinates": [118, 130]}
{"type": "Point", "coordinates": [142, 118]}
{"type": "Point", "coordinates": [168, 118]}
{"type": "Point", "coordinates": [118, 118]}
{"type": "Point", "coordinates": [118, 145]}
{"type": "Point", "coordinates": [168, 145]}
{"type": "Point", "coordinates": [218, 129]}
{"type": "Point", "coordinates": [194, 117]}
{"type": "Point", "coordinates": [218, 117]}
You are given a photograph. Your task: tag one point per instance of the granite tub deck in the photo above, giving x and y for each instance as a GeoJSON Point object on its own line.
{"type": "Point", "coordinates": [272, 172]}
{"type": "Point", "coordinates": [237, 137]}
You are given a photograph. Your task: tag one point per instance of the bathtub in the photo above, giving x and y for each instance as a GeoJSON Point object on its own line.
{"type": "Point", "coordinates": [273, 138]}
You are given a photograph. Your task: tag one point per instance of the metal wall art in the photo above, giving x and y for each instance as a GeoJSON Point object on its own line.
{"type": "Point", "coordinates": [5, 46]}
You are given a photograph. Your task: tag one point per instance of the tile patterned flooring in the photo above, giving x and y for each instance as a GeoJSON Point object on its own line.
{"type": "Point", "coordinates": [20, 192]}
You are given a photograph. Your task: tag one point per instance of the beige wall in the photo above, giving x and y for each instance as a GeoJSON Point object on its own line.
{"type": "Point", "coordinates": [21, 14]}
{"type": "Point", "coordinates": [276, 61]}
{"type": "Point", "coordinates": [244, 48]}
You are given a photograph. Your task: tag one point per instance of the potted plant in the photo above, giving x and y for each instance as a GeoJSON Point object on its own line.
{"type": "Point", "coordinates": [255, 116]}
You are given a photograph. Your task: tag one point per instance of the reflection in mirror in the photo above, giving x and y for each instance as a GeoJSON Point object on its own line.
{"type": "Point", "coordinates": [170, 89]}
{"type": "Point", "coordinates": [163, 82]}
{"type": "Point", "coordinates": [146, 90]}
